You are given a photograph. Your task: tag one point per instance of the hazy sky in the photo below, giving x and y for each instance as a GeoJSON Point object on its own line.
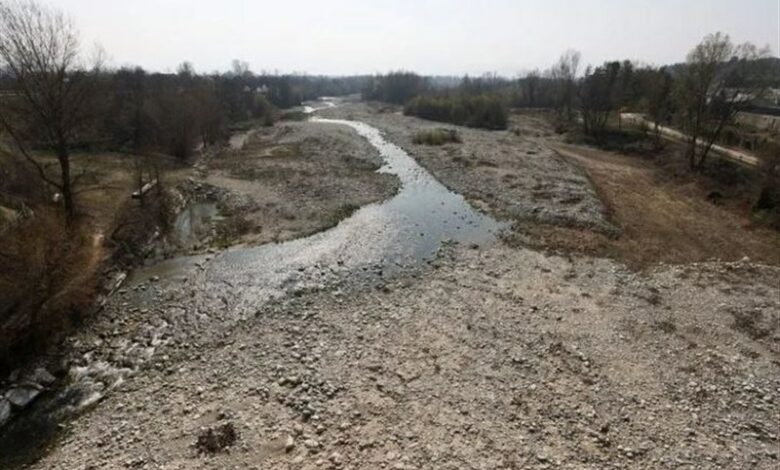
{"type": "Point", "coordinates": [428, 36]}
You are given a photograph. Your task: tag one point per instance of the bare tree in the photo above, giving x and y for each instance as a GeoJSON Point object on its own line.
{"type": "Point", "coordinates": [657, 89]}
{"type": "Point", "coordinates": [531, 88]}
{"type": "Point", "coordinates": [240, 68]}
{"type": "Point", "coordinates": [564, 73]}
{"type": "Point", "coordinates": [39, 48]}
{"type": "Point", "coordinates": [598, 97]}
{"type": "Point", "coordinates": [718, 81]}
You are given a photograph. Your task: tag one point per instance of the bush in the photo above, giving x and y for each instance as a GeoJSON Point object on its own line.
{"type": "Point", "coordinates": [481, 111]}
{"type": "Point", "coordinates": [395, 87]}
{"type": "Point", "coordinates": [47, 280]}
{"type": "Point", "coordinates": [436, 137]}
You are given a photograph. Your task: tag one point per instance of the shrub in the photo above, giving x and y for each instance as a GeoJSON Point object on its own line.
{"type": "Point", "coordinates": [481, 111]}
{"type": "Point", "coordinates": [436, 137]}
{"type": "Point", "coordinates": [47, 280]}
{"type": "Point", "coordinates": [395, 87]}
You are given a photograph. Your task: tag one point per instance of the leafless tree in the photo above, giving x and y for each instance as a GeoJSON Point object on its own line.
{"type": "Point", "coordinates": [718, 81]}
{"type": "Point", "coordinates": [240, 68]}
{"type": "Point", "coordinates": [657, 88]}
{"type": "Point", "coordinates": [564, 73]}
{"type": "Point", "coordinates": [598, 97]}
{"type": "Point", "coordinates": [531, 88]}
{"type": "Point", "coordinates": [53, 89]}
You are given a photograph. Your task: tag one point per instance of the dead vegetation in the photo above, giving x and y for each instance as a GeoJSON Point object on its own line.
{"type": "Point", "coordinates": [47, 282]}
{"type": "Point", "coordinates": [437, 137]}
{"type": "Point", "coordinates": [666, 213]}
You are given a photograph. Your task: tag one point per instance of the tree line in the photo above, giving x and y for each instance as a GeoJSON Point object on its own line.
{"type": "Point", "coordinates": [57, 98]}
{"type": "Point", "coordinates": [700, 97]}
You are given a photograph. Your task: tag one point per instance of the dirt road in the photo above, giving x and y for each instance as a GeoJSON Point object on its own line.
{"type": "Point", "coordinates": [731, 154]}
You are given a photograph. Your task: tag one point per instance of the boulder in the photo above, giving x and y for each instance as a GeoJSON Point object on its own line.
{"type": "Point", "coordinates": [22, 395]}
{"type": "Point", "coordinates": [42, 376]}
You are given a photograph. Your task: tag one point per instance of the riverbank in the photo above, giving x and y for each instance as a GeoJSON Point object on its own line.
{"type": "Point", "coordinates": [498, 358]}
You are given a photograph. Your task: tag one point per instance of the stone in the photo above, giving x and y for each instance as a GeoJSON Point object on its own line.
{"type": "Point", "coordinates": [42, 376]}
{"type": "Point", "coordinates": [21, 396]}
{"type": "Point", "coordinates": [5, 411]}
{"type": "Point", "coordinates": [289, 444]}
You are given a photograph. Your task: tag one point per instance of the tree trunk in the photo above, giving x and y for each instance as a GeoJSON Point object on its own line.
{"type": "Point", "coordinates": [712, 139]}
{"type": "Point", "coordinates": [67, 193]}
{"type": "Point", "coordinates": [657, 134]}
{"type": "Point", "coordinates": [692, 152]}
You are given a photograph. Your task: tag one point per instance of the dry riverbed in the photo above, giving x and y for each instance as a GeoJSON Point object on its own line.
{"type": "Point", "coordinates": [484, 357]}
{"type": "Point", "coordinates": [503, 358]}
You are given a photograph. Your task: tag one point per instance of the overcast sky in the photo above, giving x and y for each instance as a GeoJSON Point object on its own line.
{"type": "Point", "coordinates": [427, 36]}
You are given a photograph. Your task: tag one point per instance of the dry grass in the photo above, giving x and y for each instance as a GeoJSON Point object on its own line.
{"type": "Point", "coordinates": [47, 280]}
{"type": "Point", "coordinates": [48, 271]}
{"type": "Point", "coordinates": [664, 217]}
{"type": "Point", "coordinates": [436, 137]}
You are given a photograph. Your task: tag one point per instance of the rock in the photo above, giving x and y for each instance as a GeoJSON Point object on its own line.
{"type": "Point", "coordinates": [5, 411]}
{"type": "Point", "coordinates": [21, 396]}
{"type": "Point", "coordinates": [289, 444]}
{"type": "Point", "coordinates": [42, 376]}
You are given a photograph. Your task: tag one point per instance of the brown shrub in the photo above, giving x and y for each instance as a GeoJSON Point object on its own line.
{"type": "Point", "coordinates": [134, 226]}
{"type": "Point", "coordinates": [47, 281]}
{"type": "Point", "coordinates": [436, 137]}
